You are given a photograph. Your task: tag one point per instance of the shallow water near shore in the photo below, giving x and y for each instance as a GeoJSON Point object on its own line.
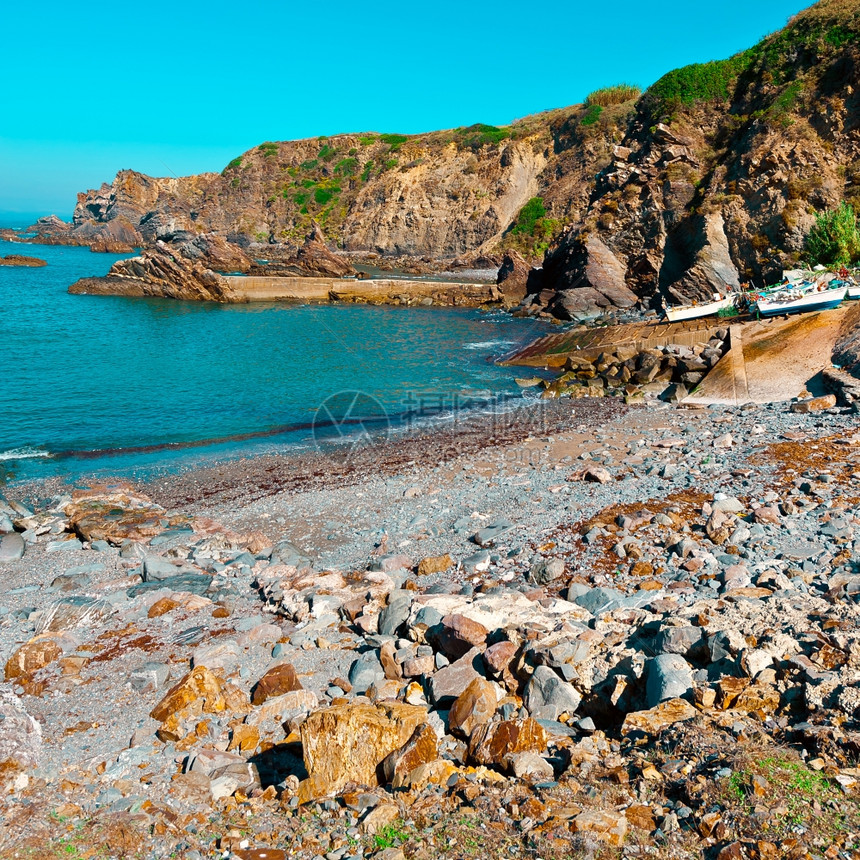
{"type": "Point", "coordinates": [108, 385]}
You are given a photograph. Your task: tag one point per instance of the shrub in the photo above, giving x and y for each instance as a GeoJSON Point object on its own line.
{"type": "Point", "coordinates": [615, 95]}
{"type": "Point", "coordinates": [700, 81]}
{"type": "Point", "coordinates": [309, 165]}
{"type": "Point", "coordinates": [476, 136]}
{"type": "Point", "coordinates": [346, 167]}
{"type": "Point", "coordinates": [591, 115]}
{"type": "Point", "coordinates": [323, 195]}
{"type": "Point", "coordinates": [268, 149]}
{"type": "Point", "coordinates": [327, 153]}
{"type": "Point", "coordinates": [528, 217]}
{"type": "Point", "coordinates": [367, 140]}
{"type": "Point", "coordinates": [234, 164]}
{"type": "Point", "coordinates": [394, 141]}
{"type": "Point", "coordinates": [834, 239]}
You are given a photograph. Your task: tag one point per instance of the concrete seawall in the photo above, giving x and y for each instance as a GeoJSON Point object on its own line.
{"type": "Point", "coordinates": [296, 289]}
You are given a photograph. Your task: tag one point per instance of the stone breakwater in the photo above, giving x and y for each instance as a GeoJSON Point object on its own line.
{"type": "Point", "coordinates": [640, 638]}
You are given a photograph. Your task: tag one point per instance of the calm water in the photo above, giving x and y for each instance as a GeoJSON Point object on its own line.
{"type": "Point", "coordinates": [95, 383]}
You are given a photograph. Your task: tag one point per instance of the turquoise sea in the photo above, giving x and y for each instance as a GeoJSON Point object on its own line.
{"type": "Point", "coordinates": [108, 385]}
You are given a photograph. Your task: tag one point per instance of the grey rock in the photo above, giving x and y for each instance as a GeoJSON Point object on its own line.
{"type": "Point", "coordinates": [477, 561]}
{"type": "Point", "coordinates": [668, 677]}
{"type": "Point", "coordinates": [452, 680]}
{"type": "Point", "coordinates": [488, 535]}
{"type": "Point", "coordinates": [5, 523]}
{"type": "Point", "coordinates": [157, 569]}
{"type": "Point", "coordinates": [69, 613]}
{"type": "Point", "coordinates": [69, 545]}
{"type": "Point", "coordinates": [195, 583]}
{"type": "Point", "coordinates": [599, 600]}
{"type": "Point", "coordinates": [685, 641]}
{"type": "Point", "coordinates": [545, 570]}
{"type": "Point", "coordinates": [396, 613]}
{"type": "Point", "coordinates": [11, 547]}
{"type": "Point", "coordinates": [149, 677]}
{"type": "Point", "coordinates": [365, 672]}
{"type": "Point", "coordinates": [225, 655]}
{"type": "Point", "coordinates": [70, 581]}
{"type": "Point", "coordinates": [20, 737]}
{"type": "Point", "coordinates": [547, 696]}
{"type": "Point", "coordinates": [575, 590]}
{"type": "Point", "coordinates": [529, 764]}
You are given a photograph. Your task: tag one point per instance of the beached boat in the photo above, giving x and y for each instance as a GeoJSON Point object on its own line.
{"type": "Point", "coordinates": [854, 292]}
{"type": "Point", "coordinates": [800, 301]}
{"type": "Point", "coordinates": [692, 312]}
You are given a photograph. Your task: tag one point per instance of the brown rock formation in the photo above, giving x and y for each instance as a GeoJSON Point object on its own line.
{"type": "Point", "coordinates": [347, 743]}
{"type": "Point", "coordinates": [513, 278]}
{"type": "Point", "coordinates": [314, 257]}
{"type": "Point", "coordinates": [21, 260]}
{"type": "Point", "coordinates": [187, 268]}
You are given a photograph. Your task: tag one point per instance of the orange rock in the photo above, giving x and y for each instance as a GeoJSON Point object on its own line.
{"type": "Point", "coordinates": [473, 707]}
{"type": "Point", "coordinates": [199, 692]}
{"type": "Point", "coordinates": [640, 816]}
{"type": "Point", "coordinates": [656, 719]}
{"type": "Point", "coordinates": [730, 689]}
{"type": "Point", "coordinates": [162, 607]}
{"type": "Point", "coordinates": [758, 697]}
{"type": "Point", "coordinates": [490, 743]}
{"type": "Point", "coordinates": [421, 748]}
{"type": "Point", "coordinates": [816, 404]}
{"type": "Point", "coordinates": [434, 564]}
{"type": "Point", "coordinates": [39, 652]}
{"type": "Point", "coordinates": [346, 743]}
{"type": "Point", "coordinates": [642, 568]}
{"type": "Point", "coordinates": [278, 680]}
{"type": "Point", "coordinates": [245, 738]}
{"type": "Point", "coordinates": [602, 825]}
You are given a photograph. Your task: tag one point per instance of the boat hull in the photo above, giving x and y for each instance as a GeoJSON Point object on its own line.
{"type": "Point", "coordinates": [693, 312]}
{"type": "Point", "coordinates": [813, 302]}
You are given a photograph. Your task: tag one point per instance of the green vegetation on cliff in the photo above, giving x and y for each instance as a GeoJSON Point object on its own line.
{"type": "Point", "coordinates": [532, 231]}
{"type": "Point", "coordinates": [835, 239]}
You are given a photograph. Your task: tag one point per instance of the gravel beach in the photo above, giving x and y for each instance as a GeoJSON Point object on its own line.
{"type": "Point", "coordinates": [581, 629]}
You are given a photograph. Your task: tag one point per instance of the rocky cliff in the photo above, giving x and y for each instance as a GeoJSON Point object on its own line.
{"type": "Point", "coordinates": [439, 195]}
{"type": "Point", "coordinates": [721, 171]}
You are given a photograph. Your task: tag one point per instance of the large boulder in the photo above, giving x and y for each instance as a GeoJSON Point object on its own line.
{"type": "Point", "coordinates": [188, 268]}
{"type": "Point", "coordinates": [712, 269]}
{"type": "Point", "coordinates": [315, 258]}
{"type": "Point", "coordinates": [347, 743]}
{"type": "Point", "coordinates": [513, 278]}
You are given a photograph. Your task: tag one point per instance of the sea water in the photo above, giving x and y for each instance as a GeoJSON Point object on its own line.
{"type": "Point", "coordinates": [112, 385]}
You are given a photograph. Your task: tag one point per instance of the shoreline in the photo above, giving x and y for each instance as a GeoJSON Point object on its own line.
{"type": "Point", "coordinates": [240, 478]}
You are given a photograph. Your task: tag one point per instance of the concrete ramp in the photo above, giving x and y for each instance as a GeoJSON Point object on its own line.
{"type": "Point", "coordinates": [772, 360]}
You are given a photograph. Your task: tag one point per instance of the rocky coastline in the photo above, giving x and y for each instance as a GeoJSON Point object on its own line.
{"type": "Point", "coordinates": [599, 628]}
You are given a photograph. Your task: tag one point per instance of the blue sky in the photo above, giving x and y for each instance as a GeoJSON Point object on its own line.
{"type": "Point", "coordinates": [184, 87]}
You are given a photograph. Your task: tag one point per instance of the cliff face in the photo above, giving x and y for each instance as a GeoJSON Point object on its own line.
{"type": "Point", "coordinates": [438, 195]}
{"type": "Point", "coordinates": [723, 166]}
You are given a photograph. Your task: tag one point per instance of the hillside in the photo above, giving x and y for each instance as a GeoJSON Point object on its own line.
{"type": "Point", "coordinates": [439, 195]}
{"type": "Point", "coordinates": [723, 168]}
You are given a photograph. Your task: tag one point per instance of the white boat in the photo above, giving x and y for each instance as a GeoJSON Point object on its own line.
{"type": "Point", "coordinates": [854, 292]}
{"type": "Point", "coordinates": [692, 312]}
{"type": "Point", "coordinates": [792, 301]}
